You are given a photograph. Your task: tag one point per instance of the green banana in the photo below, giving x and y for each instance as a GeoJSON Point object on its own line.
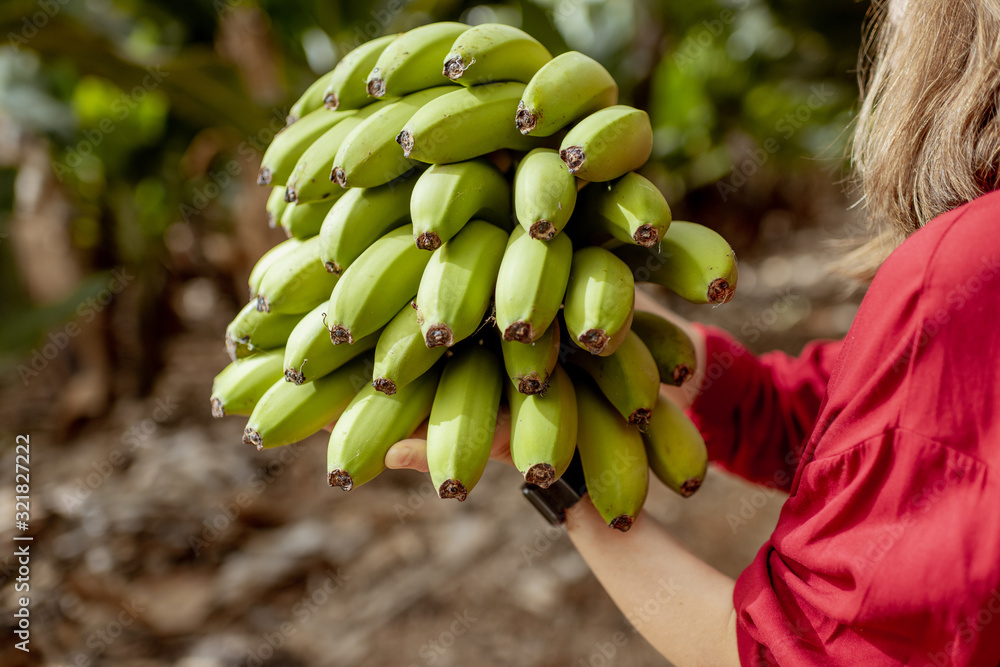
{"type": "Point", "coordinates": [266, 261]}
{"type": "Point", "coordinates": [630, 210]}
{"type": "Point", "coordinates": [289, 413]}
{"type": "Point", "coordinates": [464, 124]}
{"type": "Point", "coordinates": [412, 61]}
{"type": "Point", "coordinates": [672, 349]}
{"type": "Point", "coordinates": [303, 221]}
{"type": "Point", "coordinates": [252, 331]}
{"type": "Point", "coordinates": [311, 178]}
{"type": "Point", "coordinates": [613, 457]}
{"type": "Point", "coordinates": [544, 193]}
{"type": "Point", "coordinates": [458, 282]}
{"type": "Point", "coordinates": [462, 421]}
{"type": "Point", "coordinates": [370, 156]}
{"type": "Point", "coordinates": [346, 87]}
{"type": "Point", "coordinates": [676, 450]}
{"type": "Point", "coordinates": [296, 281]}
{"type": "Point", "coordinates": [309, 354]}
{"type": "Point", "coordinates": [275, 206]}
{"type": "Point", "coordinates": [693, 261]}
{"type": "Point", "coordinates": [401, 355]}
{"type": "Point", "coordinates": [530, 366]}
{"type": "Point", "coordinates": [600, 298]}
{"type": "Point", "coordinates": [608, 144]}
{"type": "Point", "coordinates": [292, 141]}
{"type": "Point", "coordinates": [543, 430]}
{"type": "Point", "coordinates": [373, 289]}
{"type": "Point", "coordinates": [531, 284]}
{"type": "Point", "coordinates": [567, 88]}
{"type": "Point", "coordinates": [238, 387]}
{"type": "Point", "coordinates": [494, 52]}
{"type": "Point", "coordinates": [447, 196]}
{"type": "Point", "coordinates": [360, 218]}
{"type": "Point", "coordinates": [310, 100]}
{"type": "Point", "coordinates": [628, 378]}
{"type": "Point", "coordinates": [371, 424]}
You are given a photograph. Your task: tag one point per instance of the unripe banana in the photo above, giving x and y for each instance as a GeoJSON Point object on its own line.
{"type": "Point", "coordinates": [494, 52]}
{"type": "Point", "coordinates": [296, 282]}
{"type": "Point", "coordinates": [672, 349]}
{"type": "Point", "coordinates": [452, 128]}
{"type": "Point", "coordinates": [600, 297]}
{"type": "Point", "coordinates": [412, 61]}
{"type": "Point", "coordinates": [238, 387]}
{"type": "Point", "coordinates": [303, 221]}
{"type": "Point", "coordinates": [370, 156]}
{"type": "Point", "coordinates": [462, 421]}
{"type": "Point", "coordinates": [310, 100]}
{"type": "Point", "coordinates": [360, 218]}
{"type": "Point", "coordinates": [289, 413]}
{"type": "Point", "coordinates": [544, 193]}
{"type": "Point", "coordinates": [266, 261]}
{"type": "Point", "coordinates": [608, 144]}
{"type": "Point", "coordinates": [447, 196]}
{"type": "Point", "coordinates": [400, 354]}
{"type": "Point", "coordinates": [613, 458]}
{"type": "Point", "coordinates": [456, 287]}
{"type": "Point", "coordinates": [676, 450]}
{"type": "Point", "coordinates": [253, 331]}
{"type": "Point", "coordinates": [630, 210]}
{"type": "Point", "coordinates": [373, 289]}
{"type": "Point", "coordinates": [311, 178]}
{"type": "Point", "coordinates": [371, 424]}
{"type": "Point", "coordinates": [309, 354]}
{"type": "Point", "coordinates": [628, 378]}
{"type": "Point", "coordinates": [531, 285]}
{"type": "Point", "coordinates": [292, 141]}
{"type": "Point", "coordinates": [275, 206]}
{"type": "Point", "coordinates": [565, 89]}
{"type": "Point", "coordinates": [543, 430]}
{"type": "Point", "coordinates": [530, 366]}
{"type": "Point", "coordinates": [693, 261]}
{"type": "Point", "coordinates": [346, 87]}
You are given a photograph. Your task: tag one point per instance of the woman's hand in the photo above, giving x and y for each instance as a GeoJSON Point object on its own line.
{"type": "Point", "coordinates": [682, 396]}
{"type": "Point", "coordinates": [412, 452]}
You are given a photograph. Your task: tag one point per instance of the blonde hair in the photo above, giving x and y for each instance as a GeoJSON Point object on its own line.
{"type": "Point", "coordinates": [927, 136]}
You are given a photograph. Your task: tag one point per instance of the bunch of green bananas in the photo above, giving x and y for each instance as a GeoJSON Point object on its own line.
{"type": "Point", "coordinates": [465, 223]}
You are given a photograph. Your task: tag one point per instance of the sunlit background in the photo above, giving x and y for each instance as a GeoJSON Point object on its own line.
{"type": "Point", "coordinates": [130, 136]}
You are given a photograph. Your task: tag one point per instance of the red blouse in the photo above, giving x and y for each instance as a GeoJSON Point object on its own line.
{"type": "Point", "coordinates": [887, 551]}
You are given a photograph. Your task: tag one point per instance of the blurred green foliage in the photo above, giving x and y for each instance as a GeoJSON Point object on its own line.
{"type": "Point", "coordinates": [122, 90]}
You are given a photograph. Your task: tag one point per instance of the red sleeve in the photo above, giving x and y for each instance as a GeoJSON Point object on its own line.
{"type": "Point", "coordinates": [755, 413]}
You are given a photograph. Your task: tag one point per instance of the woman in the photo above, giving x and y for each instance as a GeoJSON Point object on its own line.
{"type": "Point", "coordinates": [887, 551]}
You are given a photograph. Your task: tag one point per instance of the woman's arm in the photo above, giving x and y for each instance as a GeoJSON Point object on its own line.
{"type": "Point", "coordinates": [681, 605]}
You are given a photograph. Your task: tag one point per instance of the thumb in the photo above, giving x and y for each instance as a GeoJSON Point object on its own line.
{"type": "Point", "coordinates": [410, 453]}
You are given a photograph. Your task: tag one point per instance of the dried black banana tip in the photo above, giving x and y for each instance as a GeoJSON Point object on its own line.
{"type": "Point", "coordinates": [332, 267]}
{"type": "Point", "coordinates": [264, 176]}
{"type": "Point", "coordinates": [339, 176]}
{"type": "Point", "coordinates": [540, 474]}
{"type": "Point", "coordinates": [690, 486]}
{"type": "Point", "coordinates": [594, 340]}
{"type": "Point", "coordinates": [531, 384]}
{"type": "Point", "coordinates": [252, 437]}
{"type": "Point", "coordinates": [452, 488]}
{"type": "Point", "coordinates": [543, 230]}
{"type": "Point", "coordinates": [384, 385]}
{"type": "Point", "coordinates": [438, 335]}
{"type": "Point", "coordinates": [291, 196]}
{"type": "Point", "coordinates": [574, 158]}
{"type": "Point", "coordinates": [520, 331]}
{"type": "Point", "coordinates": [262, 305]}
{"type": "Point", "coordinates": [647, 236]}
{"type": "Point", "coordinates": [294, 375]}
{"type": "Point", "coordinates": [330, 101]}
{"type": "Point", "coordinates": [341, 334]}
{"type": "Point", "coordinates": [622, 523]}
{"type": "Point", "coordinates": [232, 347]}
{"type": "Point", "coordinates": [428, 241]}
{"type": "Point", "coordinates": [681, 374]}
{"type": "Point", "coordinates": [720, 291]}
{"type": "Point", "coordinates": [342, 479]}
{"type": "Point", "coordinates": [217, 410]}
{"type": "Point", "coordinates": [454, 68]}
{"type": "Point", "coordinates": [405, 140]}
{"type": "Point", "coordinates": [640, 417]}
{"type": "Point", "coordinates": [525, 120]}
{"type": "Point", "coordinates": [376, 87]}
